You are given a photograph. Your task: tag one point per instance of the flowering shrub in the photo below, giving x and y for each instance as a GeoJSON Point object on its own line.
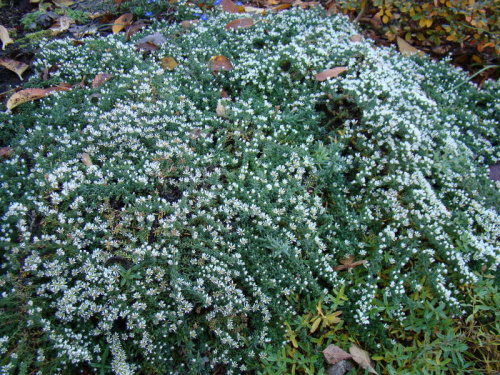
{"type": "Point", "coordinates": [188, 235]}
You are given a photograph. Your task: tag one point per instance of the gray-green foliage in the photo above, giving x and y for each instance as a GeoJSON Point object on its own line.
{"type": "Point", "coordinates": [176, 251]}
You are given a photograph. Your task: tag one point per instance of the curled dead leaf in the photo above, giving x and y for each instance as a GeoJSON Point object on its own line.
{"type": "Point", "coordinates": [240, 23]}
{"type": "Point", "coordinates": [362, 358]}
{"type": "Point", "coordinates": [86, 160]}
{"type": "Point", "coordinates": [168, 63]}
{"type": "Point", "coordinates": [100, 79]}
{"type": "Point", "coordinates": [17, 67]}
{"type": "Point", "coordinates": [27, 95]}
{"type": "Point", "coordinates": [218, 63]}
{"type": "Point", "coordinates": [329, 73]}
{"type": "Point", "coordinates": [334, 354]}
{"type": "Point", "coordinates": [5, 37]}
{"type": "Point", "coordinates": [349, 263]}
{"type": "Point", "coordinates": [121, 22]}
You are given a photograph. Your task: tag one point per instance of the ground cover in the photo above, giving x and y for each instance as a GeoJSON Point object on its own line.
{"type": "Point", "coordinates": [221, 197]}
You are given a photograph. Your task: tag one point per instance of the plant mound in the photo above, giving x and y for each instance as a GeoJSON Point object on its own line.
{"type": "Point", "coordinates": [170, 220]}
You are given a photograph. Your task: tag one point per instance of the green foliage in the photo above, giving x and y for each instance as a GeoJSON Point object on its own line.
{"type": "Point", "coordinates": [467, 22]}
{"type": "Point", "coordinates": [196, 241]}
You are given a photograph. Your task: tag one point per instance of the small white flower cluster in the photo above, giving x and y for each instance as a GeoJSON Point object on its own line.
{"type": "Point", "coordinates": [191, 226]}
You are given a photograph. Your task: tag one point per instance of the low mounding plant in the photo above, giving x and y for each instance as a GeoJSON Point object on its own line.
{"type": "Point", "coordinates": [169, 221]}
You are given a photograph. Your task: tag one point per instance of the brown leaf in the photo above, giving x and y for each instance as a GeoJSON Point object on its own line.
{"type": "Point", "coordinates": [281, 7]}
{"type": "Point", "coordinates": [86, 160]}
{"type": "Point", "coordinates": [334, 354]}
{"type": "Point", "coordinates": [168, 63]}
{"type": "Point", "coordinates": [147, 46]}
{"type": "Point", "coordinates": [218, 63]}
{"type": "Point", "coordinates": [17, 67]}
{"type": "Point", "coordinates": [100, 79]}
{"type": "Point", "coordinates": [27, 95]}
{"type": "Point", "coordinates": [188, 24]}
{"type": "Point", "coordinates": [405, 48]}
{"type": "Point", "coordinates": [135, 28]}
{"type": "Point", "coordinates": [5, 151]}
{"type": "Point", "coordinates": [230, 7]}
{"type": "Point", "coordinates": [329, 73]}
{"type": "Point", "coordinates": [240, 23]}
{"type": "Point", "coordinates": [362, 358]}
{"type": "Point", "coordinates": [356, 38]}
{"type": "Point", "coordinates": [349, 263]}
{"type": "Point", "coordinates": [224, 94]}
{"type": "Point", "coordinates": [4, 37]}
{"type": "Point", "coordinates": [121, 22]}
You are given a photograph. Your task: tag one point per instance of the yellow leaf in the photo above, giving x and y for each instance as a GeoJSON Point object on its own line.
{"type": "Point", "coordinates": [315, 325]}
{"type": "Point", "coordinates": [405, 48]}
{"type": "Point", "coordinates": [17, 67]}
{"type": "Point", "coordinates": [121, 22]}
{"type": "Point", "coordinates": [377, 358]}
{"type": "Point", "coordinates": [168, 63]}
{"type": "Point", "coordinates": [428, 22]}
{"type": "Point", "coordinates": [4, 37]}
{"type": "Point", "coordinates": [27, 95]}
{"type": "Point", "coordinates": [385, 19]}
{"type": "Point", "coordinates": [63, 3]}
{"type": "Point", "coordinates": [294, 341]}
{"type": "Point", "coordinates": [422, 22]}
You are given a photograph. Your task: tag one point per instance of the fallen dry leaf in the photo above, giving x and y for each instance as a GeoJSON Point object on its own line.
{"type": "Point", "coordinates": [240, 23]}
{"type": "Point", "coordinates": [5, 37]}
{"type": "Point", "coordinates": [220, 110]}
{"type": "Point", "coordinates": [100, 79]}
{"type": "Point", "coordinates": [63, 3]}
{"type": "Point", "coordinates": [329, 73]}
{"type": "Point", "coordinates": [362, 358]}
{"type": "Point", "coordinates": [132, 29]}
{"type": "Point", "coordinates": [28, 95]}
{"type": "Point", "coordinates": [121, 22]}
{"type": "Point", "coordinates": [218, 63]}
{"type": "Point", "coordinates": [356, 38]}
{"type": "Point", "coordinates": [405, 48]}
{"type": "Point", "coordinates": [230, 7]}
{"type": "Point", "coordinates": [86, 160]}
{"type": "Point", "coordinates": [349, 263]}
{"type": "Point", "coordinates": [62, 24]}
{"type": "Point", "coordinates": [147, 46]}
{"type": "Point", "coordinates": [156, 39]}
{"type": "Point", "coordinates": [5, 151]}
{"type": "Point", "coordinates": [17, 67]}
{"type": "Point", "coordinates": [281, 7]}
{"type": "Point", "coordinates": [255, 10]}
{"type": "Point", "coordinates": [188, 24]}
{"type": "Point", "coordinates": [224, 94]}
{"type": "Point", "coordinates": [334, 354]}
{"type": "Point", "coordinates": [168, 63]}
